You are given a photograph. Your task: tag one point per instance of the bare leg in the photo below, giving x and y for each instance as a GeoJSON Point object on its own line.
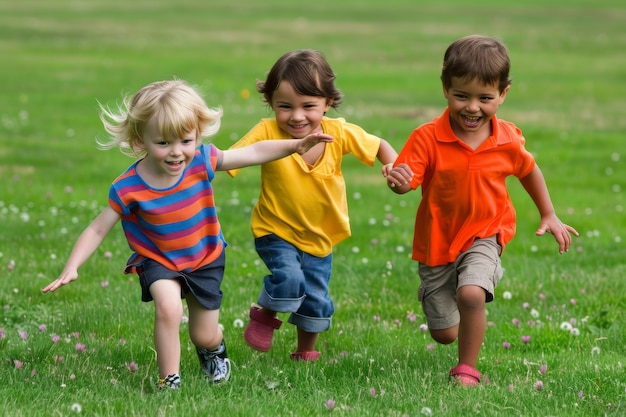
{"type": "Point", "coordinates": [168, 313]}
{"type": "Point", "coordinates": [306, 341]}
{"type": "Point", "coordinates": [471, 302]}
{"type": "Point", "coordinates": [204, 330]}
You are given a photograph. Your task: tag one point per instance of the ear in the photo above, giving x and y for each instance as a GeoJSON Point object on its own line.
{"type": "Point", "coordinates": [329, 104]}
{"type": "Point", "coordinates": [503, 94]}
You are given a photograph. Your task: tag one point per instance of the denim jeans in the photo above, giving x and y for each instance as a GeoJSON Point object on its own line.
{"type": "Point", "coordinates": [297, 284]}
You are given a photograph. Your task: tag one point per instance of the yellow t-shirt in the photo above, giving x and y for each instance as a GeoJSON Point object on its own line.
{"type": "Point", "coordinates": [303, 204]}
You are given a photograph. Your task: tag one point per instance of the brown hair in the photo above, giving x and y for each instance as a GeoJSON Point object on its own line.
{"type": "Point", "coordinates": [307, 71]}
{"type": "Point", "coordinates": [477, 57]}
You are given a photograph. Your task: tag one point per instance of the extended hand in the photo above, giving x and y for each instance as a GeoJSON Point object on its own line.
{"type": "Point", "coordinates": [561, 232]}
{"type": "Point", "coordinates": [311, 140]}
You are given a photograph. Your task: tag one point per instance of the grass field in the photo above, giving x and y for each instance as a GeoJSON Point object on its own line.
{"type": "Point", "coordinates": [87, 349]}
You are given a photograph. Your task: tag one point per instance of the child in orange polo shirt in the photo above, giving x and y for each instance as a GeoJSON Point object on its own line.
{"type": "Point", "coordinates": [462, 159]}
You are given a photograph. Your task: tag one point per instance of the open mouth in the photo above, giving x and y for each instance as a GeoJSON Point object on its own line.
{"type": "Point", "coordinates": [471, 121]}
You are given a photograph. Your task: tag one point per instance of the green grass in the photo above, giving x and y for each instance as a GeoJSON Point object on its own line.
{"type": "Point", "coordinates": [60, 58]}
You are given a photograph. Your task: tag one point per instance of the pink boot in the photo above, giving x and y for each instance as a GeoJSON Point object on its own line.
{"type": "Point", "coordinates": [260, 331]}
{"type": "Point", "coordinates": [308, 356]}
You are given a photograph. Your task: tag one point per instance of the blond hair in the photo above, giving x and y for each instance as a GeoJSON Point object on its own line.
{"type": "Point", "coordinates": [177, 107]}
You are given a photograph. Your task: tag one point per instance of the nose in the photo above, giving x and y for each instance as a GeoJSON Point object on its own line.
{"type": "Point", "coordinates": [473, 106]}
{"type": "Point", "coordinates": [297, 115]}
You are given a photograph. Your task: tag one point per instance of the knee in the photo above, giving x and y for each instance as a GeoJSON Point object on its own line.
{"type": "Point", "coordinates": [168, 312]}
{"type": "Point", "coordinates": [445, 336]}
{"type": "Point", "coordinates": [470, 297]}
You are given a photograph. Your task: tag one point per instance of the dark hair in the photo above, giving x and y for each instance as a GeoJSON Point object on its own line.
{"type": "Point", "coordinates": [307, 71]}
{"type": "Point", "coordinates": [477, 57]}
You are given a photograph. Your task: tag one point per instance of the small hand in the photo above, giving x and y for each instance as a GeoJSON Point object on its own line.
{"type": "Point", "coordinates": [311, 140]}
{"type": "Point", "coordinates": [399, 175]}
{"type": "Point", "coordinates": [561, 232]}
{"type": "Point", "coordinates": [65, 278]}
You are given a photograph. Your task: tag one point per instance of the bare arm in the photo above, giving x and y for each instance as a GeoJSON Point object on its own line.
{"type": "Point", "coordinates": [387, 156]}
{"type": "Point", "coordinates": [268, 150]}
{"type": "Point", "coordinates": [535, 186]}
{"type": "Point", "coordinates": [85, 246]}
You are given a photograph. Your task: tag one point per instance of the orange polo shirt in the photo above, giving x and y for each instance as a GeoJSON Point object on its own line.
{"type": "Point", "coordinates": [464, 194]}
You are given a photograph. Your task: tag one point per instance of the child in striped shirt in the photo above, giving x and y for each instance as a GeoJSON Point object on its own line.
{"type": "Point", "coordinates": [166, 204]}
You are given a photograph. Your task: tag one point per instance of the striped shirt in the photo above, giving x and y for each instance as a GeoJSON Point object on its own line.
{"type": "Point", "coordinates": [176, 226]}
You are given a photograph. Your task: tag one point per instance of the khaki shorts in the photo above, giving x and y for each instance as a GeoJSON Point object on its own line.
{"type": "Point", "coordinates": [479, 265]}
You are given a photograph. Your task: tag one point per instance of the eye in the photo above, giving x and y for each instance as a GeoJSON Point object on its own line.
{"type": "Point", "coordinates": [460, 96]}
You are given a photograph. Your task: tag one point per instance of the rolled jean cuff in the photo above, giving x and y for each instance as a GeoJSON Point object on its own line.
{"type": "Point", "coordinates": [280, 305]}
{"type": "Point", "coordinates": [310, 324]}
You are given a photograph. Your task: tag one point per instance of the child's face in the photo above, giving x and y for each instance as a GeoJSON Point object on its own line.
{"type": "Point", "coordinates": [472, 104]}
{"type": "Point", "coordinates": [166, 159]}
{"type": "Point", "coordinates": [298, 115]}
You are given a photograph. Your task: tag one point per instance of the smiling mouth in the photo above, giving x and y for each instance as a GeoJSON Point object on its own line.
{"type": "Point", "coordinates": [471, 120]}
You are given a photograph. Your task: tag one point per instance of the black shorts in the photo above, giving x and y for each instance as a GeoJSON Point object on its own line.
{"type": "Point", "coordinates": [204, 283]}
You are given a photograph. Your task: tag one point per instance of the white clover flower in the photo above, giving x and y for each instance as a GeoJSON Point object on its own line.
{"type": "Point", "coordinates": [507, 295]}
{"type": "Point", "coordinates": [371, 221]}
{"type": "Point", "coordinates": [400, 249]}
{"type": "Point", "coordinates": [364, 260]}
{"type": "Point", "coordinates": [426, 411]}
{"type": "Point", "coordinates": [77, 408]}
{"type": "Point", "coordinates": [238, 323]}
{"type": "Point", "coordinates": [595, 350]}
{"type": "Point", "coordinates": [356, 196]}
{"type": "Point", "coordinates": [575, 331]}
{"type": "Point", "coordinates": [534, 313]}
{"type": "Point", "coordinates": [355, 249]}
{"type": "Point", "coordinates": [567, 326]}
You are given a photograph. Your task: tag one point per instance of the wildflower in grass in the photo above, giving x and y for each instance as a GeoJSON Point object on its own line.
{"type": "Point", "coordinates": [184, 319]}
{"type": "Point", "coordinates": [108, 255]}
{"type": "Point", "coordinates": [572, 301]}
{"type": "Point", "coordinates": [104, 284]}
{"type": "Point", "coordinates": [373, 392]}
{"type": "Point", "coordinates": [543, 369]}
{"type": "Point", "coordinates": [376, 317]}
{"type": "Point", "coordinates": [511, 388]}
{"type": "Point", "coordinates": [542, 296]}
{"type": "Point", "coordinates": [506, 345]}
{"type": "Point", "coordinates": [330, 404]}
{"type": "Point", "coordinates": [539, 385]}
{"type": "Point", "coordinates": [411, 316]}
{"type": "Point", "coordinates": [575, 331]}
{"type": "Point", "coordinates": [77, 408]}
{"type": "Point", "coordinates": [431, 346]}
{"type": "Point", "coordinates": [526, 305]}
{"type": "Point", "coordinates": [595, 350]}
{"type": "Point", "coordinates": [80, 347]}
{"type": "Point", "coordinates": [122, 342]}
{"type": "Point", "coordinates": [423, 328]}
{"type": "Point", "coordinates": [11, 265]}
{"type": "Point", "coordinates": [374, 242]}
{"type": "Point", "coordinates": [55, 338]}
{"type": "Point", "coordinates": [42, 327]}
{"type": "Point", "coordinates": [580, 394]}
{"type": "Point", "coordinates": [2, 333]}
{"type": "Point", "coordinates": [534, 313]}
{"type": "Point", "coordinates": [133, 367]}
{"type": "Point", "coordinates": [566, 326]}
{"type": "Point", "coordinates": [58, 359]}
{"type": "Point", "coordinates": [23, 335]}
{"type": "Point", "coordinates": [238, 323]}
{"type": "Point", "coordinates": [516, 322]}
{"type": "Point", "coordinates": [526, 339]}
{"type": "Point", "coordinates": [33, 373]}
{"type": "Point", "coordinates": [426, 411]}
{"type": "Point", "coordinates": [76, 335]}
{"type": "Point", "coordinates": [507, 295]}
{"type": "Point", "coordinates": [72, 377]}
{"type": "Point", "coordinates": [18, 363]}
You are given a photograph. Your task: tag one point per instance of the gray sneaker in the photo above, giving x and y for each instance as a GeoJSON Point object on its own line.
{"type": "Point", "coordinates": [215, 363]}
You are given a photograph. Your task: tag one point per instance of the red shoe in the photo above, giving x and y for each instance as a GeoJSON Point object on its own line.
{"type": "Point", "coordinates": [307, 356]}
{"type": "Point", "coordinates": [465, 375]}
{"type": "Point", "coordinates": [260, 331]}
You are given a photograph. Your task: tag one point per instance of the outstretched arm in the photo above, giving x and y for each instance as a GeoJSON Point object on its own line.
{"type": "Point", "coordinates": [535, 186]}
{"type": "Point", "coordinates": [268, 150]}
{"type": "Point", "coordinates": [85, 246]}
{"type": "Point", "coordinates": [387, 156]}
